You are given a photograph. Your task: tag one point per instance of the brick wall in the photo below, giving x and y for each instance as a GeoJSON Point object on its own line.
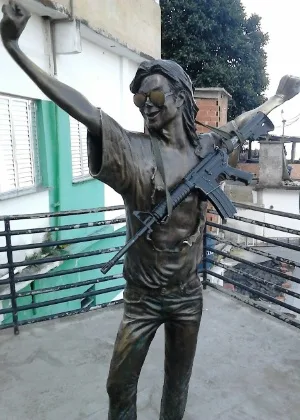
{"type": "Point", "coordinates": [213, 107]}
{"type": "Point", "coordinates": [296, 170]}
{"type": "Point", "coordinates": [250, 167]}
{"type": "Point", "coordinates": [254, 168]}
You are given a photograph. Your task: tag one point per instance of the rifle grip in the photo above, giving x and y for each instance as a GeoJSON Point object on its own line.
{"type": "Point", "coordinates": [105, 269]}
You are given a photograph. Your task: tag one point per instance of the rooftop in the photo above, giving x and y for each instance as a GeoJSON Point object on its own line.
{"type": "Point", "coordinates": [247, 367]}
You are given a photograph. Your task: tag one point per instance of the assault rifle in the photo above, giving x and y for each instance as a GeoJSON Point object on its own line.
{"type": "Point", "coordinates": [203, 178]}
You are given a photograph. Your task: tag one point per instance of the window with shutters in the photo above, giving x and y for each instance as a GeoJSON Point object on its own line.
{"type": "Point", "coordinates": [80, 167]}
{"type": "Point", "coordinates": [19, 168]}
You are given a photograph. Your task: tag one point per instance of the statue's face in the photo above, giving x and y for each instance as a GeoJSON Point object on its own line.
{"type": "Point", "coordinates": [158, 116]}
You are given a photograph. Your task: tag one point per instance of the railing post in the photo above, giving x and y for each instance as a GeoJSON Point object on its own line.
{"type": "Point", "coordinates": [11, 273]}
{"type": "Point", "coordinates": [204, 261]}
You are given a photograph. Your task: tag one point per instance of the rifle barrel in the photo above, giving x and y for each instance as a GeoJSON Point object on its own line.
{"type": "Point", "coordinates": [123, 251]}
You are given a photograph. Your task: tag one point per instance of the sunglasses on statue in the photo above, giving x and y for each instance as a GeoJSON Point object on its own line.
{"type": "Point", "coordinates": [156, 97]}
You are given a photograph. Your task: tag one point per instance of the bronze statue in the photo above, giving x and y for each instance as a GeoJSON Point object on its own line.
{"type": "Point", "coordinates": [162, 285]}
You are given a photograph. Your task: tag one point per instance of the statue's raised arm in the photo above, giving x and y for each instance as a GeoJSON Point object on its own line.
{"type": "Point", "coordinates": [13, 23]}
{"type": "Point", "coordinates": [288, 88]}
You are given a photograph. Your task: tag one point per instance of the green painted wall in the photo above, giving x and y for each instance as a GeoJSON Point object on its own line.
{"type": "Point", "coordinates": [22, 315]}
{"type": "Point", "coordinates": [56, 170]}
{"type": "Point", "coordinates": [73, 278]}
{"type": "Point", "coordinates": [81, 276]}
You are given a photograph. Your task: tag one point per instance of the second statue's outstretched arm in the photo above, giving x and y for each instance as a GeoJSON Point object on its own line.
{"type": "Point", "coordinates": [15, 18]}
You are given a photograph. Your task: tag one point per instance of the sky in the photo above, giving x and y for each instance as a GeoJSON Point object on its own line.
{"type": "Point", "coordinates": [281, 20]}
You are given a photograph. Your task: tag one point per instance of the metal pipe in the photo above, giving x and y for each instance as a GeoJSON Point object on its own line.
{"type": "Point", "coordinates": [11, 272]}
{"type": "Point", "coordinates": [252, 235]}
{"type": "Point", "coordinates": [256, 279]}
{"type": "Point", "coordinates": [204, 263]}
{"type": "Point", "coordinates": [267, 225]}
{"type": "Point", "coordinates": [255, 265]}
{"type": "Point", "coordinates": [65, 299]}
{"type": "Point", "coordinates": [53, 47]}
{"type": "Point", "coordinates": [62, 314]}
{"type": "Point", "coordinates": [63, 287]}
{"type": "Point", "coordinates": [72, 9]}
{"type": "Point", "coordinates": [70, 286]}
{"type": "Point", "coordinates": [255, 292]}
{"type": "Point", "coordinates": [52, 30]}
{"type": "Point", "coordinates": [66, 242]}
{"type": "Point", "coordinates": [62, 213]}
{"type": "Point", "coordinates": [57, 258]}
{"type": "Point", "coordinates": [268, 211]}
{"type": "Point", "coordinates": [255, 251]}
{"type": "Point", "coordinates": [65, 227]}
{"type": "Point", "coordinates": [52, 274]}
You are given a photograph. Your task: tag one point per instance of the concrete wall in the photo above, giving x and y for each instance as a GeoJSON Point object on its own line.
{"type": "Point", "coordinates": [134, 23]}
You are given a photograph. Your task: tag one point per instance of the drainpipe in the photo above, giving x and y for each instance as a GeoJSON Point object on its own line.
{"type": "Point", "coordinates": [72, 9]}
{"type": "Point", "coordinates": [56, 165]}
{"type": "Point", "coordinates": [52, 29]}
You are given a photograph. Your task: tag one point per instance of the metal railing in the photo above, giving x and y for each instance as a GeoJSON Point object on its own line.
{"type": "Point", "coordinates": [48, 264]}
{"type": "Point", "coordinates": [264, 274]}
{"type": "Point", "coordinates": [254, 260]}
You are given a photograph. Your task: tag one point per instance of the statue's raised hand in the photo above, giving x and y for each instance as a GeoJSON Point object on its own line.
{"type": "Point", "coordinates": [14, 21]}
{"type": "Point", "coordinates": [289, 86]}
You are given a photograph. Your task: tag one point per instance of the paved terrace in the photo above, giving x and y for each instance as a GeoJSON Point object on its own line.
{"type": "Point", "coordinates": [247, 367]}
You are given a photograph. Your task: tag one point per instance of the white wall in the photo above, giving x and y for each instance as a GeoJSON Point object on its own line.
{"type": "Point", "coordinates": [13, 80]}
{"type": "Point", "coordinates": [282, 200]}
{"type": "Point", "coordinates": [104, 78]}
{"type": "Point", "coordinates": [276, 199]}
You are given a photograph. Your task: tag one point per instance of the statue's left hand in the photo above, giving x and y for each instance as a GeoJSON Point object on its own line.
{"type": "Point", "coordinates": [14, 21]}
{"type": "Point", "coordinates": [289, 86]}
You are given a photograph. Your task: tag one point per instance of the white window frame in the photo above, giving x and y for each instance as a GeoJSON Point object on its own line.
{"type": "Point", "coordinates": [12, 143]}
{"type": "Point", "coordinates": [78, 134]}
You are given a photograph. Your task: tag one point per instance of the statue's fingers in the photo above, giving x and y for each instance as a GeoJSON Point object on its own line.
{"type": "Point", "coordinates": [8, 10]}
{"type": "Point", "coordinates": [18, 8]}
{"type": "Point", "coordinates": [12, 6]}
{"type": "Point", "coordinates": [294, 83]}
{"type": "Point", "coordinates": [5, 11]}
{"type": "Point", "coordinates": [297, 83]}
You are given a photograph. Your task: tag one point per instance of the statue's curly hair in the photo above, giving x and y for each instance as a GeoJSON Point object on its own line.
{"type": "Point", "coordinates": [180, 81]}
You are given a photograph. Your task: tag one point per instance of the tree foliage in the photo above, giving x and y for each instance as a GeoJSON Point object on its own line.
{"type": "Point", "coordinates": [218, 46]}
